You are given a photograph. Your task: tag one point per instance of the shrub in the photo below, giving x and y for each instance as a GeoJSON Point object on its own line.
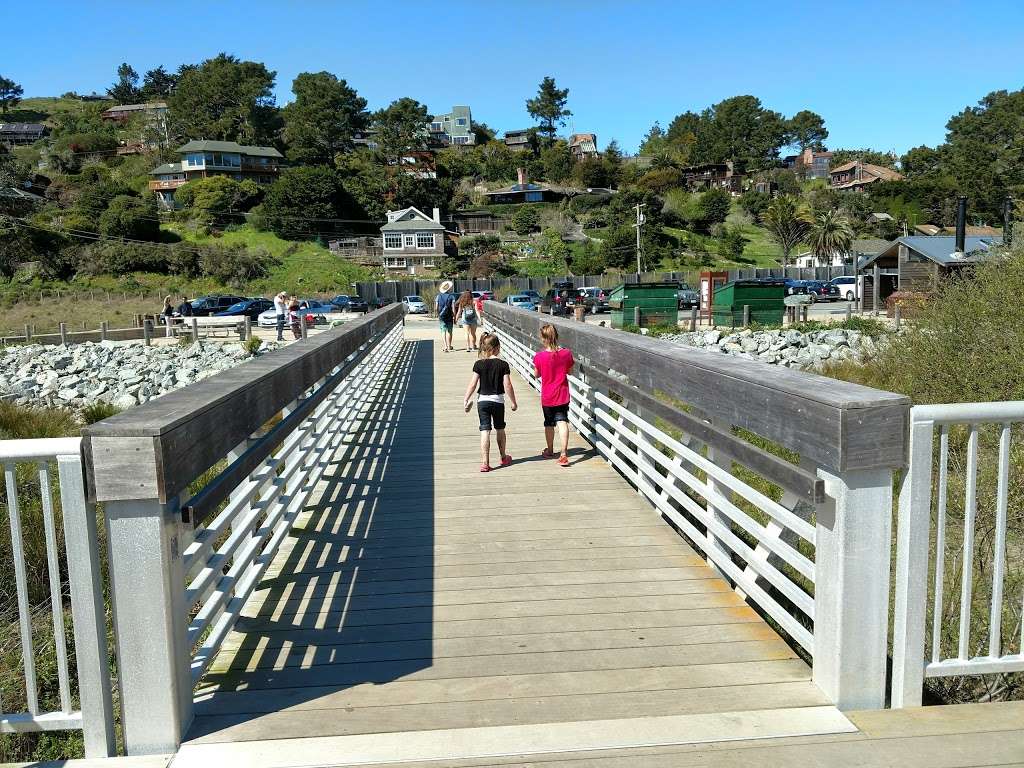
{"type": "Point", "coordinates": [909, 302]}
{"type": "Point", "coordinates": [98, 412]}
{"type": "Point", "coordinates": [130, 217]}
{"type": "Point", "coordinates": [236, 265]}
{"type": "Point", "coordinates": [252, 345]}
{"type": "Point", "coordinates": [525, 220]}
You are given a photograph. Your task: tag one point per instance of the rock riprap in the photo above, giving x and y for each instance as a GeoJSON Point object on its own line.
{"type": "Point", "coordinates": [123, 375]}
{"type": "Point", "coordinates": [790, 348]}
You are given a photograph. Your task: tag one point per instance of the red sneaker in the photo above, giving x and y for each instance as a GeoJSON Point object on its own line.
{"type": "Point", "coordinates": [485, 467]}
{"type": "Point", "coordinates": [563, 460]}
{"type": "Point", "coordinates": [506, 461]}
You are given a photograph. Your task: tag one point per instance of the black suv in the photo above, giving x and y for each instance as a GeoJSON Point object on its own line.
{"type": "Point", "coordinates": [559, 300]}
{"type": "Point", "coordinates": [594, 299]}
{"type": "Point", "coordinates": [208, 305]}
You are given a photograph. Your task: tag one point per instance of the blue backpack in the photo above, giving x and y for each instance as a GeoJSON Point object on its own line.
{"type": "Point", "coordinates": [444, 307]}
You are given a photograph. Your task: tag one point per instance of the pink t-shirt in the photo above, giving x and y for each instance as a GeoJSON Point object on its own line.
{"type": "Point", "coordinates": [554, 368]}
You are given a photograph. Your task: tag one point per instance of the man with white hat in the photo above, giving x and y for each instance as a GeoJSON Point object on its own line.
{"type": "Point", "coordinates": [444, 304]}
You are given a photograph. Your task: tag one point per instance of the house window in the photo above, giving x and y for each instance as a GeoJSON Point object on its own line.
{"type": "Point", "coordinates": [461, 139]}
{"type": "Point", "coordinates": [460, 121]}
{"type": "Point", "coordinates": [534, 197]}
{"type": "Point", "coordinates": [195, 159]}
{"type": "Point", "coordinates": [410, 241]}
{"type": "Point", "coordinates": [393, 242]}
{"type": "Point", "coordinates": [424, 240]}
{"type": "Point", "coordinates": [436, 127]}
{"type": "Point", "coordinates": [395, 263]}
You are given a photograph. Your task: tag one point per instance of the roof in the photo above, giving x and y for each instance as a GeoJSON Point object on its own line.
{"type": "Point", "coordinates": [877, 171]}
{"type": "Point", "coordinates": [880, 216]}
{"type": "Point", "coordinates": [137, 107]}
{"type": "Point", "coordinates": [22, 127]}
{"type": "Point", "coordinates": [870, 246]}
{"type": "Point", "coordinates": [201, 145]}
{"type": "Point", "coordinates": [166, 168]}
{"type": "Point", "coordinates": [940, 248]}
{"type": "Point", "coordinates": [530, 186]}
{"type": "Point", "coordinates": [980, 231]}
{"type": "Point", "coordinates": [927, 229]}
{"type": "Point", "coordinates": [410, 220]}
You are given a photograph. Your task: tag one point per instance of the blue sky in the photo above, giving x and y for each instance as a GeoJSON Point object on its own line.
{"type": "Point", "coordinates": [886, 75]}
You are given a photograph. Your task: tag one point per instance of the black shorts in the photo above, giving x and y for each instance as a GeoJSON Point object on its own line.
{"type": "Point", "coordinates": [490, 413]}
{"type": "Point", "coordinates": [555, 413]}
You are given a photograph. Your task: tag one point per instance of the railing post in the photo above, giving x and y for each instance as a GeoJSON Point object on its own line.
{"type": "Point", "coordinates": [147, 331]}
{"type": "Point", "coordinates": [851, 587]}
{"type": "Point", "coordinates": [304, 332]}
{"type": "Point", "coordinates": [911, 590]}
{"type": "Point", "coordinates": [146, 539]}
{"type": "Point", "coordinates": [63, 334]}
{"type": "Point", "coordinates": [103, 330]}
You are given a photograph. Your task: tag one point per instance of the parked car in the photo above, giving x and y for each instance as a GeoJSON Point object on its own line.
{"type": "Point", "coordinates": [846, 286]}
{"type": "Point", "coordinates": [314, 308]}
{"type": "Point", "coordinates": [559, 300]}
{"type": "Point", "coordinates": [485, 295]}
{"type": "Point", "coordinates": [414, 305]}
{"type": "Point", "coordinates": [247, 308]}
{"type": "Point", "coordinates": [822, 291]}
{"type": "Point", "coordinates": [209, 305]}
{"type": "Point", "coordinates": [521, 301]}
{"type": "Point", "coordinates": [534, 295]}
{"type": "Point", "coordinates": [794, 286]}
{"type": "Point", "coordinates": [688, 298]}
{"type": "Point", "coordinates": [594, 299]}
{"type": "Point", "coordinates": [345, 303]}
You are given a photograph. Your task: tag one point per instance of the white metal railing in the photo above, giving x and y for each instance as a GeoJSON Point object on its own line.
{"type": "Point", "coordinates": [34, 499]}
{"type": "Point", "coordinates": [764, 547]}
{"type": "Point", "coordinates": [927, 507]}
{"type": "Point", "coordinates": [230, 553]}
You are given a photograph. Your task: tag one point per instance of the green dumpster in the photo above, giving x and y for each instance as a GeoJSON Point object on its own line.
{"type": "Point", "coordinates": [764, 297]}
{"type": "Point", "coordinates": [658, 304]}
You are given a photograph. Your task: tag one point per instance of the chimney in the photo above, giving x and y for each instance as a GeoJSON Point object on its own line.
{"type": "Point", "coordinates": [961, 223]}
{"type": "Point", "coordinates": [521, 172]}
{"type": "Point", "coordinates": [1008, 221]}
{"type": "Point", "coordinates": [437, 215]}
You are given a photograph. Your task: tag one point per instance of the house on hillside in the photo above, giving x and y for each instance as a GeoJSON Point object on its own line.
{"type": "Point", "coordinates": [201, 159]}
{"type": "Point", "coordinates": [519, 140]}
{"type": "Point", "coordinates": [122, 113]}
{"type": "Point", "coordinates": [583, 145]}
{"type": "Point", "coordinates": [856, 176]}
{"type": "Point", "coordinates": [454, 128]}
{"type": "Point", "coordinates": [708, 175]}
{"type": "Point", "coordinates": [414, 241]}
{"type": "Point", "coordinates": [923, 261]}
{"type": "Point", "coordinates": [12, 134]}
{"type": "Point", "coordinates": [481, 222]}
{"type": "Point", "coordinates": [361, 249]}
{"type": "Point", "coordinates": [525, 192]}
{"type": "Point", "coordinates": [809, 164]}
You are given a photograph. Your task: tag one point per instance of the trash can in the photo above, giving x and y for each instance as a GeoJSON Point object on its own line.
{"type": "Point", "coordinates": [650, 303]}
{"type": "Point", "coordinates": [764, 297]}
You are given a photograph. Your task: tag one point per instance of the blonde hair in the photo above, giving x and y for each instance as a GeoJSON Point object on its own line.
{"type": "Point", "coordinates": [490, 345]}
{"type": "Point", "coordinates": [549, 335]}
{"type": "Point", "coordinates": [167, 300]}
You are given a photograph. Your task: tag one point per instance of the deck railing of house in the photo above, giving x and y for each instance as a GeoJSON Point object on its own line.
{"type": "Point", "coordinates": [806, 541]}
{"type": "Point", "coordinates": [973, 454]}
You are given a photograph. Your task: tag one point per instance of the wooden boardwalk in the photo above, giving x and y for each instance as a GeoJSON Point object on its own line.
{"type": "Point", "coordinates": [425, 611]}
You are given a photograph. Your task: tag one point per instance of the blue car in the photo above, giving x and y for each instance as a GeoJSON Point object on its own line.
{"type": "Point", "coordinates": [521, 301]}
{"type": "Point", "coordinates": [247, 308]}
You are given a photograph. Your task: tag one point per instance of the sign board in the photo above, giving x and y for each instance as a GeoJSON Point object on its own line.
{"type": "Point", "coordinates": [797, 300]}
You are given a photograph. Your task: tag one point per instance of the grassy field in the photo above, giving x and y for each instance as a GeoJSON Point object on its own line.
{"type": "Point", "coordinates": [40, 109]}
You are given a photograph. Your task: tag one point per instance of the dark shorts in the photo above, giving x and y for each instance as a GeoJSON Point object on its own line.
{"type": "Point", "coordinates": [555, 413]}
{"type": "Point", "coordinates": [490, 413]}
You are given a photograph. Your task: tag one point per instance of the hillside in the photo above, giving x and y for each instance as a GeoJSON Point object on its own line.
{"type": "Point", "coordinates": [41, 109]}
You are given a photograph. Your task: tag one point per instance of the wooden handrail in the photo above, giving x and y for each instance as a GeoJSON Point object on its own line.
{"type": "Point", "coordinates": [838, 425]}
{"type": "Point", "coordinates": [155, 450]}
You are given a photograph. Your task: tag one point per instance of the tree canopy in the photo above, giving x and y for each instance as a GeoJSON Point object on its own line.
{"type": "Point", "coordinates": [224, 98]}
{"type": "Point", "coordinates": [401, 127]}
{"type": "Point", "coordinates": [10, 94]}
{"type": "Point", "coordinates": [324, 118]}
{"type": "Point", "coordinates": [807, 130]}
{"type": "Point", "coordinates": [157, 84]}
{"type": "Point", "coordinates": [548, 107]}
{"type": "Point", "coordinates": [126, 89]}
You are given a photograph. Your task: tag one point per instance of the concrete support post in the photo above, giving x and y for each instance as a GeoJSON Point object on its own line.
{"type": "Point", "coordinates": [636, 316]}
{"type": "Point", "coordinates": [147, 331]}
{"type": "Point", "coordinates": [103, 330]}
{"type": "Point", "coordinates": [247, 329]}
{"type": "Point", "coordinates": [849, 312]}
{"type": "Point", "coordinates": [302, 326]}
{"type": "Point", "coordinates": [150, 622]}
{"type": "Point", "coordinates": [28, 332]}
{"type": "Point", "coordinates": [693, 319]}
{"type": "Point", "coordinates": [63, 334]}
{"type": "Point", "coordinates": [876, 289]}
{"type": "Point", "coordinates": [746, 315]}
{"type": "Point", "coordinates": [851, 588]}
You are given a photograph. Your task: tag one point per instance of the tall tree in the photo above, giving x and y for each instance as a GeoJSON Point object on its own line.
{"type": "Point", "coordinates": [829, 234]}
{"type": "Point", "coordinates": [10, 94]}
{"type": "Point", "coordinates": [225, 98]}
{"type": "Point", "coordinates": [740, 129]}
{"type": "Point", "coordinates": [807, 130]}
{"type": "Point", "coordinates": [873, 156]}
{"type": "Point", "coordinates": [786, 222]}
{"type": "Point", "coordinates": [548, 107]}
{"type": "Point", "coordinates": [126, 89]}
{"type": "Point", "coordinates": [158, 84]}
{"type": "Point", "coordinates": [920, 161]}
{"type": "Point", "coordinates": [323, 119]}
{"type": "Point", "coordinates": [401, 127]}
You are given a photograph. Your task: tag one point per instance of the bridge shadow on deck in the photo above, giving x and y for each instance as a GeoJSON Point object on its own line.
{"type": "Point", "coordinates": [349, 599]}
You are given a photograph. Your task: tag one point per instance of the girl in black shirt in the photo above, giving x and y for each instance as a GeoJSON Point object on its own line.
{"type": "Point", "coordinates": [493, 376]}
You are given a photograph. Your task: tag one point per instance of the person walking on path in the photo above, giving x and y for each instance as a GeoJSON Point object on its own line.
{"type": "Point", "coordinates": [552, 366]}
{"type": "Point", "coordinates": [167, 313]}
{"type": "Point", "coordinates": [281, 310]}
{"type": "Point", "coordinates": [444, 305]}
{"type": "Point", "coordinates": [466, 314]}
{"type": "Point", "coordinates": [493, 377]}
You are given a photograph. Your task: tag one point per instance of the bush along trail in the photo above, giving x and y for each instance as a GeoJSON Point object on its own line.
{"type": "Point", "coordinates": [122, 375]}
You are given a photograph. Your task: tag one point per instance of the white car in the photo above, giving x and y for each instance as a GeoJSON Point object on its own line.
{"type": "Point", "coordinates": [846, 285]}
{"type": "Point", "coordinates": [414, 305]}
{"type": "Point", "coordinates": [318, 309]}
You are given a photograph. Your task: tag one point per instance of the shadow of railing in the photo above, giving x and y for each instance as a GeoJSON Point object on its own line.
{"type": "Point", "coordinates": [352, 601]}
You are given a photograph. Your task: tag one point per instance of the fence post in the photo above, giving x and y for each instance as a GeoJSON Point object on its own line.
{"type": "Point", "coordinates": [876, 289]}
{"type": "Point", "coordinates": [849, 312]}
{"type": "Point", "coordinates": [636, 316]}
{"type": "Point", "coordinates": [195, 329]}
{"type": "Point", "coordinates": [247, 328]}
{"type": "Point", "coordinates": [746, 315]}
{"type": "Point", "coordinates": [103, 330]}
{"type": "Point", "coordinates": [147, 331]}
{"type": "Point", "coordinates": [693, 319]}
{"type": "Point", "coordinates": [28, 333]}
{"type": "Point", "coordinates": [302, 325]}
{"type": "Point", "coordinates": [63, 334]}
{"type": "Point", "coordinates": [851, 587]}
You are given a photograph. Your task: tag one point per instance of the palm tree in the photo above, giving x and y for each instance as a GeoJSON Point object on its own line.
{"type": "Point", "coordinates": [786, 221]}
{"type": "Point", "coordinates": [829, 233]}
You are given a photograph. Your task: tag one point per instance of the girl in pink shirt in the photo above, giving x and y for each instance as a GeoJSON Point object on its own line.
{"type": "Point", "coordinates": [552, 366]}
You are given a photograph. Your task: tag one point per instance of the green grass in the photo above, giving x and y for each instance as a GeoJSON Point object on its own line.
{"type": "Point", "coordinates": [40, 109]}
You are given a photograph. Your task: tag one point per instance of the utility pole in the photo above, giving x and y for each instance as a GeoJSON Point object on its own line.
{"type": "Point", "coordinates": [640, 219]}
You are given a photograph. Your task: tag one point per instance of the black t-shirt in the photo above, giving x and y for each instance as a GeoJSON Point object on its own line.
{"type": "Point", "coordinates": [492, 372]}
